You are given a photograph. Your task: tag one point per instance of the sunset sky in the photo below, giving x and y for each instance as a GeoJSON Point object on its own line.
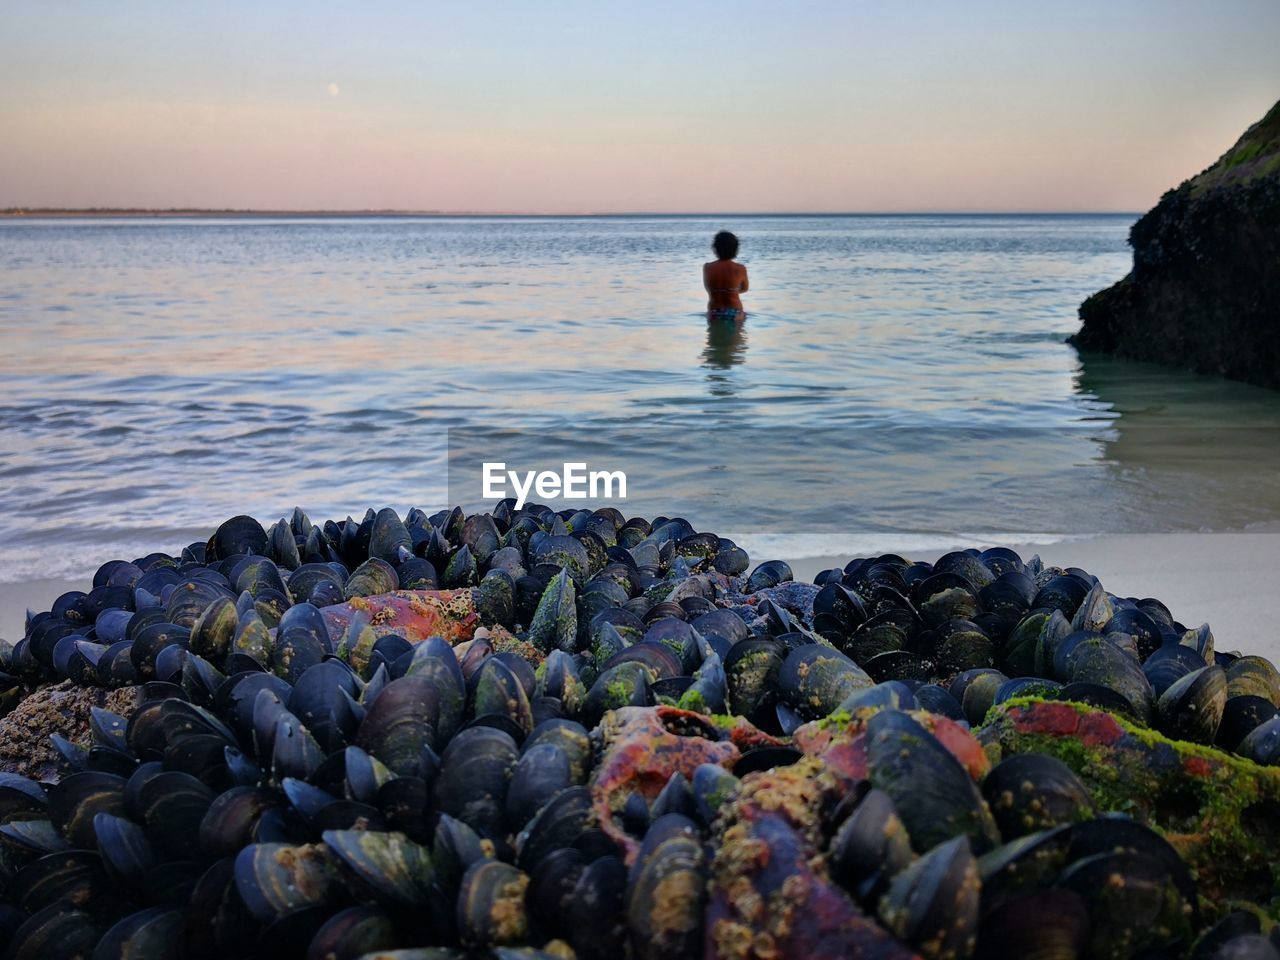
{"type": "Point", "coordinates": [679, 106]}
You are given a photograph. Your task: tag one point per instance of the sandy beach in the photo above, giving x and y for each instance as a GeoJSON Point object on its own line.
{"type": "Point", "coordinates": [1227, 580]}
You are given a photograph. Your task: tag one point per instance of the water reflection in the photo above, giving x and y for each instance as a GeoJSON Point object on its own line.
{"type": "Point", "coordinates": [726, 343]}
{"type": "Point", "coordinates": [1195, 446]}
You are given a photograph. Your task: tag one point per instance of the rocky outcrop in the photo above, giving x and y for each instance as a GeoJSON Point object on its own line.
{"type": "Point", "coordinates": [61, 708]}
{"type": "Point", "coordinates": [1204, 292]}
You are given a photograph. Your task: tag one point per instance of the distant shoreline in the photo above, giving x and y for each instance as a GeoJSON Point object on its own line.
{"type": "Point", "coordinates": [53, 213]}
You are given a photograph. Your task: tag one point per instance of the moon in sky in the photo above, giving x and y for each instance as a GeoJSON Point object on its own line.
{"type": "Point", "coordinates": [334, 90]}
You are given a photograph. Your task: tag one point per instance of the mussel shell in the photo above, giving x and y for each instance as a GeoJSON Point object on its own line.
{"type": "Point", "coordinates": [722, 623]}
{"type": "Point", "coordinates": [389, 864]}
{"type": "Point", "coordinates": [213, 631]}
{"type": "Point", "coordinates": [1168, 664]}
{"type": "Point", "coordinates": [190, 598]}
{"type": "Point", "coordinates": [173, 806]}
{"type": "Point", "coordinates": [559, 822]}
{"type": "Point", "coordinates": [126, 851]}
{"type": "Point", "coordinates": [1255, 676]}
{"type": "Point", "coordinates": [596, 920]}
{"type": "Point", "coordinates": [899, 665]}
{"type": "Point", "coordinates": [33, 836]}
{"type": "Point", "coordinates": [1191, 708]}
{"type": "Point", "coordinates": [752, 667]}
{"type": "Point", "coordinates": [656, 657]}
{"type": "Point", "coordinates": [235, 699]}
{"type": "Point", "coordinates": [58, 930]}
{"type": "Point", "coordinates": [75, 800]}
{"type": "Point", "coordinates": [815, 679]}
{"type": "Point", "coordinates": [933, 903]}
{"type": "Point", "coordinates": [540, 773]}
{"type": "Point", "coordinates": [666, 892]}
{"type": "Point", "coordinates": [554, 624]}
{"type": "Point", "coordinates": [980, 695]}
{"type": "Point", "coordinates": [1008, 595]}
{"type": "Point", "coordinates": [870, 847]}
{"type": "Point", "coordinates": [276, 878]}
{"type": "Point", "coordinates": [625, 685]}
{"type": "Point", "coordinates": [462, 570]}
{"type": "Point", "coordinates": [679, 637]}
{"type": "Point", "coordinates": [304, 581]}
{"type": "Point", "coordinates": [148, 643]}
{"type": "Point", "coordinates": [1262, 743]}
{"type": "Point", "coordinates": [1032, 791]}
{"type": "Point", "coordinates": [151, 933]}
{"type": "Point", "coordinates": [965, 563]}
{"type": "Point", "coordinates": [551, 888]}
{"type": "Point", "coordinates": [1065, 593]}
{"type": "Point", "coordinates": [1094, 612]}
{"type": "Point", "coordinates": [256, 574]}
{"type": "Point", "coordinates": [1241, 715]}
{"type": "Point", "coordinates": [931, 791]}
{"type": "Point", "coordinates": [769, 574]}
{"type": "Point", "coordinates": [294, 751]}
{"type": "Point", "coordinates": [731, 561]}
{"type": "Point", "coordinates": [1037, 924]}
{"type": "Point", "coordinates": [712, 787]}
{"type": "Point", "coordinates": [405, 803]}
{"type": "Point", "coordinates": [374, 576]}
{"type": "Point", "coordinates": [1099, 661]}
{"type": "Point", "coordinates": [1144, 909]}
{"type": "Point", "coordinates": [560, 551]}
{"type": "Point", "coordinates": [352, 933]}
{"type": "Point", "coordinates": [946, 596]}
{"type": "Point", "coordinates": [962, 645]}
{"type": "Point", "coordinates": [239, 535]}
{"type": "Point", "coordinates": [1135, 622]}
{"type": "Point", "coordinates": [499, 692]}
{"type": "Point", "coordinates": [75, 876]}
{"type": "Point", "coordinates": [409, 712]}
{"type": "Point", "coordinates": [388, 535]}
{"type": "Point", "coordinates": [317, 700]}
{"type": "Point", "coordinates": [573, 739]}
{"type": "Point", "coordinates": [559, 678]}
{"type": "Point", "coordinates": [476, 769]}
{"type": "Point", "coordinates": [490, 907]}
{"type": "Point", "coordinates": [837, 611]}
{"type": "Point", "coordinates": [231, 819]}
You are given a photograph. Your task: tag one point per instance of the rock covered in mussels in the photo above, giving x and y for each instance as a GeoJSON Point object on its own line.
{"type": "Point", "coordinates": [573, 734]}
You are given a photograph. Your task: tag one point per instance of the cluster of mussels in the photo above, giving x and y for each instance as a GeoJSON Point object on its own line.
{"type": "Point", "coordinates": [572, 734]}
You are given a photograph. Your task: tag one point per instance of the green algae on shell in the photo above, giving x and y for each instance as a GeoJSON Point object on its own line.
{"type": "Point", "coordinates": [555, 623]}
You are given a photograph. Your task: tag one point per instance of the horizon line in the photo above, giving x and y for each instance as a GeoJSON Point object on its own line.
{"type": "Point", "coordinates": [21, 212]}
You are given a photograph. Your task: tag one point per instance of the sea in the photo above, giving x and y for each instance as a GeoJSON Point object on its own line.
{"type": "Point", "coordinates": [899, 382]}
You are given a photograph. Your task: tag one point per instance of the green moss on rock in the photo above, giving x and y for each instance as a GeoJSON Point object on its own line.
{"type": "Point", "coordinates": [1221, 812]}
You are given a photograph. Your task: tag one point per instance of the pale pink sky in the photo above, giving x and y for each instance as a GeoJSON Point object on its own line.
{"type": "Point", "coordinates": [588, 107]}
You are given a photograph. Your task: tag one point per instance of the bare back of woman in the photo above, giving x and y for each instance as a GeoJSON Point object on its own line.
{"type": "Point", "coordinates": [724, 279]}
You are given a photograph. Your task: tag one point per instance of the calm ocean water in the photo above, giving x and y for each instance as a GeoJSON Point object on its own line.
{"type": "Point", "coordinates": [898, 380]}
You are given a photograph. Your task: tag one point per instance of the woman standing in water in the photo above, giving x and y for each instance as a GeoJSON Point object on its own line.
{"type": "Point", "coordinates": [724, 279]}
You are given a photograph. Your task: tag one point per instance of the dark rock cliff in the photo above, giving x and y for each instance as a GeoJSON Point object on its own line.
{"type": "Point", "coordinates": [1204, 292]}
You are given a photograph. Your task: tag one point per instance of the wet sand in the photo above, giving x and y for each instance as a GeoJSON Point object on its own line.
{"type": "Point", "coordinates": [17, 598]}
{"type": "Point", "coordinates": [1225, 579]}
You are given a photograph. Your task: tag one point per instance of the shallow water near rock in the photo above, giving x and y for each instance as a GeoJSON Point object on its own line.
{"type": "Point", "coordinates": [896, 375]}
